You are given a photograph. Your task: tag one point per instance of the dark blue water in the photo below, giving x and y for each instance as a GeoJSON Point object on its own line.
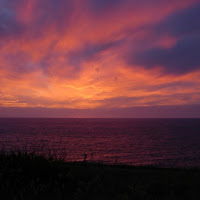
{"type": "Point", "coordinates": [167, 142]}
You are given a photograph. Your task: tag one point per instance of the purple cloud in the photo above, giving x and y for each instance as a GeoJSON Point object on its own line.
{"type": "Point", "coordinates": [183, 57]}
{"type": "Point", "coordinates": [184, 22]}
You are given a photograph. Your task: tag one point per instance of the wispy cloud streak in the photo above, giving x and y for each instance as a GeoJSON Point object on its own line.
{"type": "Point", "coordinates": [90, 54]}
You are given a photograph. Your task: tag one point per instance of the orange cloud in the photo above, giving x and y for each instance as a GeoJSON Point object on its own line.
{"type": "Point", "coordinates": [78, 60]}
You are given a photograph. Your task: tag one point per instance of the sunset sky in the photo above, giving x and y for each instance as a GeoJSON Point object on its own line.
{"type": "Point", "coordinates": [99, 58]}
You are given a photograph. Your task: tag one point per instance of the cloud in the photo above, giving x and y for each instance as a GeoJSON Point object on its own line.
{"type": "Point", "coordinates": [53, 12]}
{"type": "Point", "coordinates": [90, 51]}
{"type": "Point", "coordinates": [69, 54]}
{"type": "Point", "coordinates": [8, 24]}
{"type": "Point", "coordinates": [104, 5]}
{"type": "Point", "coordinates": [187, 111]}
{"type": "Point", "coordinates": [184, 22]}
{"type": "Point", "coordinates": [29, 19]}
{"type": "Point", "coordinates": [181, 58]}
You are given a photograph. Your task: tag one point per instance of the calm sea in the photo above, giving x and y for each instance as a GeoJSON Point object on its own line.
{"type": "Point", "coordinates": [166, 142]}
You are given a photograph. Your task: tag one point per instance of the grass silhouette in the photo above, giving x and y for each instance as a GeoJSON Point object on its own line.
{"type": "Point", "coordinates": [28, 176]}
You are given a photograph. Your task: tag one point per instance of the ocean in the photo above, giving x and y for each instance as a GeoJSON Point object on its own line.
{"type": "Point", "coordinates": [163, 142]}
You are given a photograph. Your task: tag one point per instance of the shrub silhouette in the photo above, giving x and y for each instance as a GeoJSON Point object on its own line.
{"type": "Point", "coordinates": [29, 176]}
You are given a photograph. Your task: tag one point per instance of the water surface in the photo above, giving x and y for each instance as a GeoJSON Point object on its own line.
{"type": "Point", "coordinates": [168, 142]}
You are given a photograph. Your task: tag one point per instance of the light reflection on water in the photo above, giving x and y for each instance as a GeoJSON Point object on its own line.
{"type": "Point", "coordinates": [169, 142]}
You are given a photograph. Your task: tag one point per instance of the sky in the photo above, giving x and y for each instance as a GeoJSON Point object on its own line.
{"type": "Point", "coordinates": [99, 58]}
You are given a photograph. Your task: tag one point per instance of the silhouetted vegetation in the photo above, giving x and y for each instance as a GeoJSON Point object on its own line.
{"type": "Point", "coordinates": [27, 176]}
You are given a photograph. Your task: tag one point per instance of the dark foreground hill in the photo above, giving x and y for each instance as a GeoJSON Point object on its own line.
{"type": "Point", "coordinates": [30, 177]}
